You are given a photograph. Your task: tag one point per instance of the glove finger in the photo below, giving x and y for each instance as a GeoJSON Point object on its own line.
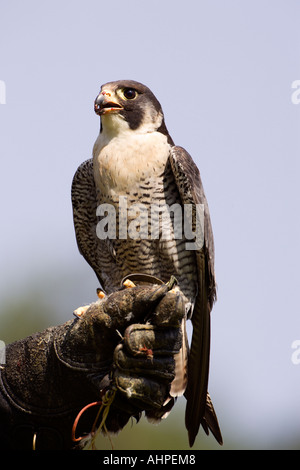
{"type": "Point", "coordinates": [156, 415]}
{"type": "Point", "coordinates": [162, 367]}
{"type": "Point", "coordinates": [126, 306]}
{"type": "Point", "coordinates": [143, 392]}
{"type": "Point", "coordinates": [139, 339]}
{"type": "Point", "coordinates": [170, 310]}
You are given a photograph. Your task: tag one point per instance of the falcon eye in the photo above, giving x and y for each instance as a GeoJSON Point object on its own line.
{"type": "Point", "coordinates": [129, 93]}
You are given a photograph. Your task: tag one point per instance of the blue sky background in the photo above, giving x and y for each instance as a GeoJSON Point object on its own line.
{"type": "Point", "coordinates": [223, 72]}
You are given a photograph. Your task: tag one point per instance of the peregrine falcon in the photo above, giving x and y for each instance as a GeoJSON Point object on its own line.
{"type": "Point", "coordinates": [136, 164]}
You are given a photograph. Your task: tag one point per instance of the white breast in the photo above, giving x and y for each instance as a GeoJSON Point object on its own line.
{"type": "Point", "coordinates": [122, 162]}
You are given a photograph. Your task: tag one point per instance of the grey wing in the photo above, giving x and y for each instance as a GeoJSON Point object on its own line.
{"type": "Point", "coordinates": [191, 191]}
{"type": "Point", "coordinates": [93, 249]}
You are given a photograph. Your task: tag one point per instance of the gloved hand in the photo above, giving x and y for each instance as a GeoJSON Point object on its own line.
{"type": "Point", "coordinates": [144, 360]}
{"type": "Point", "coordinates": [137, 360]}
{"type": "Point", "coordinates": [124, 343]}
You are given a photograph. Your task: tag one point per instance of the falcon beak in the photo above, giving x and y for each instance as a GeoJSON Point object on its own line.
{"type": "Point", "coordinates": [104, 104]}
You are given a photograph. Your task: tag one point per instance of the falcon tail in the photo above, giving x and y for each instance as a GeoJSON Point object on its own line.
{"type": "Point", "coordinates": [198, 409]}
{"type": "Point", "coordinates": [210, 421]}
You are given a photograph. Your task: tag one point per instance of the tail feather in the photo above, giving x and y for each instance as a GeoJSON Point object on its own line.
{"type": "Point", "coordinates": [210, 421]}
{"type": "Point", "coordinates": [198, 365]}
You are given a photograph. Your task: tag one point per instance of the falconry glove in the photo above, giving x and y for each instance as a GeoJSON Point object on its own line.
{"type": "Point", "coordinates": [124, 343]}
{"type": "Point", "coordinates": [135, 360]}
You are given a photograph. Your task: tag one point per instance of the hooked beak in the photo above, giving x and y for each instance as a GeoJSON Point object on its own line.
{"type": "Point", "coordinates": [104, 104]}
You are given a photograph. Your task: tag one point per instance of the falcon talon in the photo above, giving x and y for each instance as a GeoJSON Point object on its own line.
{"type": "Point", "coordinates": [100, 293]}
{"type": "Point", "coordinates": [128, 283]}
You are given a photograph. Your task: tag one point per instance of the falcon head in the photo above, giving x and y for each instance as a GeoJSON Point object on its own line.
{"type": "Point", "coordinates": [129, 103]}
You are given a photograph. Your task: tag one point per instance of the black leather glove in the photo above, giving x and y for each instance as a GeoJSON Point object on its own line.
{"type": "Point", "coordinates": [144, 360]}
{"type": "Point", "coordinates": [50, 376]}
